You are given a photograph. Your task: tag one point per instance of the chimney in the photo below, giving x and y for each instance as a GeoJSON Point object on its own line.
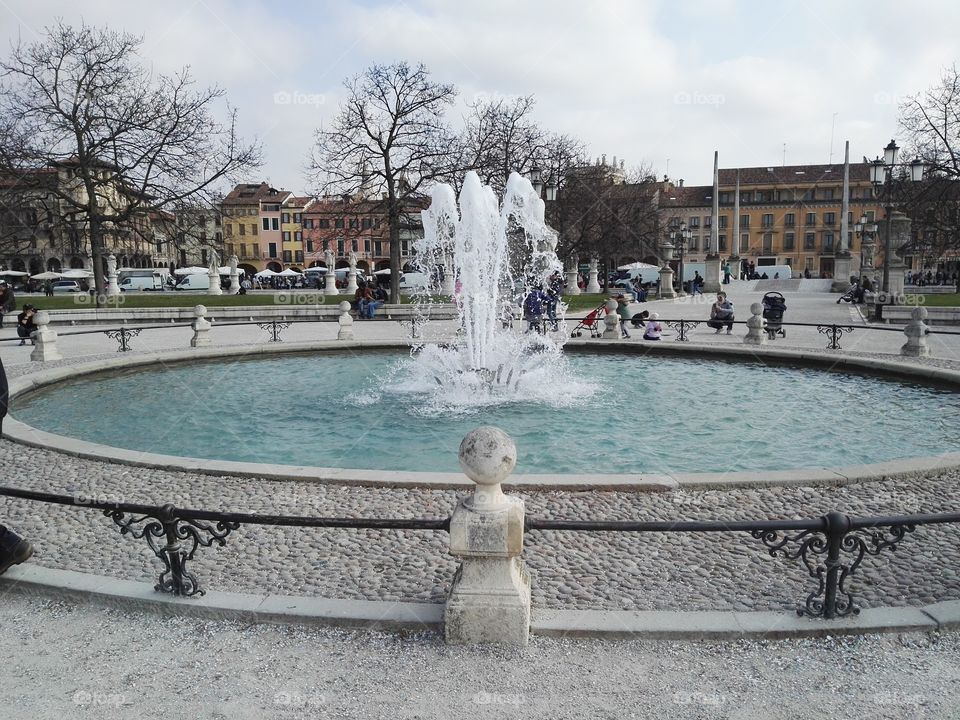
{"type": "Point", "coordinates": [681, 182]}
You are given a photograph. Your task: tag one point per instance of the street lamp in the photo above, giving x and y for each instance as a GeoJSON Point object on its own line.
{"type": "Point", "coordinates": [535, 176]}
{"type": "Point", "coordinates": [865, 229]}
{"type": "Point", "coordinates": [681, 239]}
{"type": "Point", "coordinates": [882, 176]}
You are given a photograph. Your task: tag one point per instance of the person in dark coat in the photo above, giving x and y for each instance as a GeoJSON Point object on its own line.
{"type": "Point", "coordinates": [25, 324]}
{"type": "Point", "coordinates": [13, 548]}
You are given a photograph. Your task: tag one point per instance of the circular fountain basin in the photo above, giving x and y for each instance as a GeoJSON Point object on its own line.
{"type": "Point", "coordinates": [624, 415]}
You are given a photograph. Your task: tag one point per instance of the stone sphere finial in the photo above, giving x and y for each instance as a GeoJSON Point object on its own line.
{"type": "Point", "coordinates": [344, 306]}
{"type": "Point", "coordinates": [610, 305]}
{"type": "Point", "coordinates": [757, 308]}
{"type": "Point", "coordinates": [200, 310]}
{"type": "Point", "coordinates": [919, 313]}
{"type": "Point", "coordinates": [487, 455]}
{"type": "Point", "coordinates": [41, 318]}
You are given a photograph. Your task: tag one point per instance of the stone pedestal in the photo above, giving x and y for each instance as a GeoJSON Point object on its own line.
{"type": "Point", "coordinates": [112, 287]}
{"type": "Point", "coordinates": [593, 284]}
{"type": "Point", "coordinates": [351, 281]}
{"type": "Point", "coordinates": [330, 283]}
{"type": "Point", "coordinates": [916, 332]}
{"type": "Point", "coordinates": [447, 285]}
{"type": "Point", "coordinates": [214, 275]}
{"type": "Point", "coordinates": [346, 322]}
{"type": "Point", "coordinates": [44, 339]}
{"type": "Point", "coordinates": [572, 288]}
{"type": "Point", "coordinates": [897, 271]}
{"type": "Point", "coordinates": [611, 321]}
{"type": "Point", "coordinates": [711, 274]}
{"type": "Point", "coordinates": [666, 283]}
{"type": "Point", "coordinates": [756, 335]}
{"type": "Point", "coordinates": [234, 275]}
{"type": "Point", "coordinates": [842, 270]}
{"type": "Point", "coordinates": [489, 601]}
{"type": "Point", "coordinates": [201, 327]}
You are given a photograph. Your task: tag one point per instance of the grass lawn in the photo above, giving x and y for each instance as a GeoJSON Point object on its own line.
{"type": "Point", "coordinates": [581, 303]}
{"type": "Point", "coordinates": [951, 300]}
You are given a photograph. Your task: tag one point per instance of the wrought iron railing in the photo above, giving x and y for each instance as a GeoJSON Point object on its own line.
{"type": "Point", "coordinates": [831, 547]}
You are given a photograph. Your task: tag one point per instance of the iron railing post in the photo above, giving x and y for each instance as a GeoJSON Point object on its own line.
{"type": "Point", "coordinates": [836, 526]}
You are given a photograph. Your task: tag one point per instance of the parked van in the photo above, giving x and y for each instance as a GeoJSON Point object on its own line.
{"type": "Point", "coordinates": [143, 278]}
{"type": "Point", "coordinates": [197, 281]}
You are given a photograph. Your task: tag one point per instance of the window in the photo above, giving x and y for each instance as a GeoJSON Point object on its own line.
{"type": "Point", "coordinates": [378, 248]}
{"type": "Point", "coordinates": [354, 223]}
{"type": "Point", "coordinates": [285, 236]}
{"type": "Point", "coordinates": [722, 222]}
{"type": "Point", "coordinates": [404, 247]}
{"type": "Point", "coordinates": [694, 242]}
{"type": "Point", "coordinates": [272, 250]}
{"type": "Point", "coordinates": [255, 251]}
{"type": "Point", "coordinates": [228, 229]}
{"type": "Point", "coordinates": [808, 194]}
{"type": "Point", "coordinates": [722, 242]}
{"type": "Point", "coordinates": [811, 219]}
{"type": "Point", "coordinates": [726, 198]}
{"type": "Point", "coordinates": [366, 223]}
{"type": "Point", "coordinates": [309, 246]}
{"type": "Point", "coordinates": [869, 214]}
{"type": "Point", "coordinates": [340, 244]}
{"type": "Point", "coordinates": [707, 221]}
{"type": "Point", "coordinates": [285, 217]}
{"type": "Point", "coordinates": [308, 224]}
{"type": "Point", "coordinates": [266, 223]}
{"type": "Point", "coordinates": [790, 219]}
{"type": "Point", "coordinates": [243, 250]}
{"type": "Point", "coordinates": [768, 243]}
{"type": "Point", "coordinates": [809, 241]}
{"type": "Point", "coordinates": [744, 242]}
{"type": "Point", "coordinates": [809, 263]}
{"type": "Point", "coordinates": [353, 244]}
{"type": "Point", "coordinates": [366, 245]}
{"type": "Point", "coordinates": [827, 194]}
{"type": "Point", "coordinates": [230, 249]}
{"type": "Point", "coordinates": [828, 242]}
{"type": "Point", "coordinates": [768, 220]}
{"type": "Point", "coordinates": [324, 223]}
{"type": "Point", "coordinates": [297, 236]}
{"type": "Point", "coordinates": [253, 228]}
{"type": "Point", "coordinates": [287, 256]}
{"type": "Point", "coordinates": [297, 217]}
{"type": "Point", "coordinates": [693, 222]}
{"type": "Point", "coordinates": [785, 196]}
{"type": "Point", "coordinates": [744, 221]}
{"type": "Point", "coordinates": [829, 218]}
{"type": "Point", "coordinates": [788, 241]}
{"type": "Point", "coordinates": [275, 222]}
{"type": "Point", "coordinates": [338, 223]}
{"type": "Point", "coordinates": [243, 229]}
{"type": "Point", "coordinates": [298, 256]}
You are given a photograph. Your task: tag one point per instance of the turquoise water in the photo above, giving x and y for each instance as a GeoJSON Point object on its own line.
{"type": "Point", "coordinates": [645, 415]}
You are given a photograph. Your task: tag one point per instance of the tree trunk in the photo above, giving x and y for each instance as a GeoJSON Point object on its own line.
{"type": "Point", "coordinates": [393, 220]}
{"type": "Point", "coordinates": [96, 251]}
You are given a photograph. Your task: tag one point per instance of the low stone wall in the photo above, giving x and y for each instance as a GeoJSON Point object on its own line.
{"type": "Point", "coordinates": [286, 311]}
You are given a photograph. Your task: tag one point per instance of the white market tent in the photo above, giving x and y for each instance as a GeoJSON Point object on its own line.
{"type": "Point", "coordinates": [638, 266]}
{"type": "Point", "coordinates": [289, 273]}
{"type": "Point", "coordinates": [193, 270]}
{"type": "Point", "coordinates": [48, 275]}
{"type": "Point", "coordinates": [13, 273]}
{"type": "Point", "coordinates": [77, 274]}
{"type": "Point", "coordinates": [268, 273]}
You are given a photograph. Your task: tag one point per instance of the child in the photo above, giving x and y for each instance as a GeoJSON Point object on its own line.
{"type": "Point", "coordinates": [653, 328]}
{"type": "Point", "coordinates": [623, 310]}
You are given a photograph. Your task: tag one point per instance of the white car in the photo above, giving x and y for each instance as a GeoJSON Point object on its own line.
{"type": "Point", "coordinates": [66, 286]}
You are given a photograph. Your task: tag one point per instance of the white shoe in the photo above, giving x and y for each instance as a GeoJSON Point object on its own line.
{"type": "Point", "coordinates": [717, 332]}
{"type": "Point", "coordinates": [729, 331]}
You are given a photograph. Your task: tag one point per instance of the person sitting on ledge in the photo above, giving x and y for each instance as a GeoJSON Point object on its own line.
{"type": "Point", "coordinates": [653, 328]}
{"type": "Point", "coordinates": [13, 548]}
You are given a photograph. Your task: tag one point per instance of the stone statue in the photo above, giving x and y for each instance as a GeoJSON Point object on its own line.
{"type": "Point", "coordinates": [330, 260]}
{"type": "Point", "coordinates": [352, 258]}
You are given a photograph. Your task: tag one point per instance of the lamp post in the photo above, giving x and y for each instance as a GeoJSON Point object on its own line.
{"type": "Point", "coordinates": [865, 230]}
{"type": "Point", "coordinates": [681, 238]}
{"type": "Point", "coordinates": [882, 176]}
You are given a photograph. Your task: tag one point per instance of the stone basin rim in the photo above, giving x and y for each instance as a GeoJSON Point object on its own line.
{"type": "Point", "coordinates": [647, 482]}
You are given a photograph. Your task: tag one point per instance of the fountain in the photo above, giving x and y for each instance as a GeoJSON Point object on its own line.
{"type": "Point", "coordinates": [499, 253]}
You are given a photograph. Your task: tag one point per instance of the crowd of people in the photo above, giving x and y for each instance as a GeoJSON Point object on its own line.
{"type": "Point", "coordinates": [931, 277]}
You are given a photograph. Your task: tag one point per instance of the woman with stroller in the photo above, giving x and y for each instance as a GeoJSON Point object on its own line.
{"type": "Point", "coordinates": [653, 329]}
{"type": "Point", "coordinates": [721, 313]}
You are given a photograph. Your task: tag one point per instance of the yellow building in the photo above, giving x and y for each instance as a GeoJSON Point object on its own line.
{"type": "Point", "coordinates": [291, 227]}
{"type": "Point", "coordinates": [788, 215]}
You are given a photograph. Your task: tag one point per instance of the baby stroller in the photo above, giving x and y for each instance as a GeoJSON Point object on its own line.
{"type": "Point", "coordinates": [591, 322]}
{"type": "Point", "coordinates": [773, 308]}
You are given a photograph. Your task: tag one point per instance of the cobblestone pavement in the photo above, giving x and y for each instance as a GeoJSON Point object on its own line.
{"type": "Point", "coordinates": [681, 571]}
{"type": "Point", "coordinates": [66, 660]}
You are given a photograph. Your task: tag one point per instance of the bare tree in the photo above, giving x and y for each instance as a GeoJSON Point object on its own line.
{"type": "Point", "coordinates": [82, 99]}
{"type": "Point", "coordinates": [390, 136]}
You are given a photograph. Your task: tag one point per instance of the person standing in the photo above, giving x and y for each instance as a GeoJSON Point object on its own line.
{"type": "Point", "coordinates": [726, 273]}
{"type": "Point", "coordinates": [13, 548]}
{"type": "Point", "coordinates": [623, 310]}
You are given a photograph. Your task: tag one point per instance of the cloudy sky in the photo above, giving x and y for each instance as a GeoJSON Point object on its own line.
{"type": "Point", "coordinates": [661, 83]}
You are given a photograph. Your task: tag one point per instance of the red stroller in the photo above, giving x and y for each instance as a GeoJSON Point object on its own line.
{"type": "Point", "coordinates": [592, 322]}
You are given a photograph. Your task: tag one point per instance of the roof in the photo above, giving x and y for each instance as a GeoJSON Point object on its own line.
{"type": "Point", "coordinates": [792, 174]}
{"type": "Point", "coordinates": [689, 196]}
{"type": "Point", "coordinates": [254, 193]}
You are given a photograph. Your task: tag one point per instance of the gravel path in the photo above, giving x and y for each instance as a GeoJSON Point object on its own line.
{"type": "Point", "coordinates": [679, 571]}
{"type": "Point", "coordinates": [74, 661]}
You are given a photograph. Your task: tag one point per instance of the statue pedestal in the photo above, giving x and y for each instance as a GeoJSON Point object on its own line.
{"type": "Point", "coordinates": [214, 288]}
{"type": "Point", "coordinates": [593, 285]}
{"type": "Point", "coordinates": [330, 286]}
{"type": "Point", "coordinates": [666, 283]}
{"type": "Point", "coordinates": [352, 281]}
{"type": "Point", "coordinates": [572, 287]}
{"type": "Point", "coordinates": [711, 274]}
{"type": "Point", "coordinates": [842, 270]}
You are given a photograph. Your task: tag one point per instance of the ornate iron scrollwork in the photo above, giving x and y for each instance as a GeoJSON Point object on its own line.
{"type": "Point", "coordinates": [682, 326]}
{"type": "Point", "coordinates": [175, 541]}
{"type": "Point", "coordinates": [835, 332]}
{"type": "Point", "coordinates": [820, 551]}
{"type": "Point", "coordinates": [123, 336]}
{"type": "Point", "coordinates": [274, 327]}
